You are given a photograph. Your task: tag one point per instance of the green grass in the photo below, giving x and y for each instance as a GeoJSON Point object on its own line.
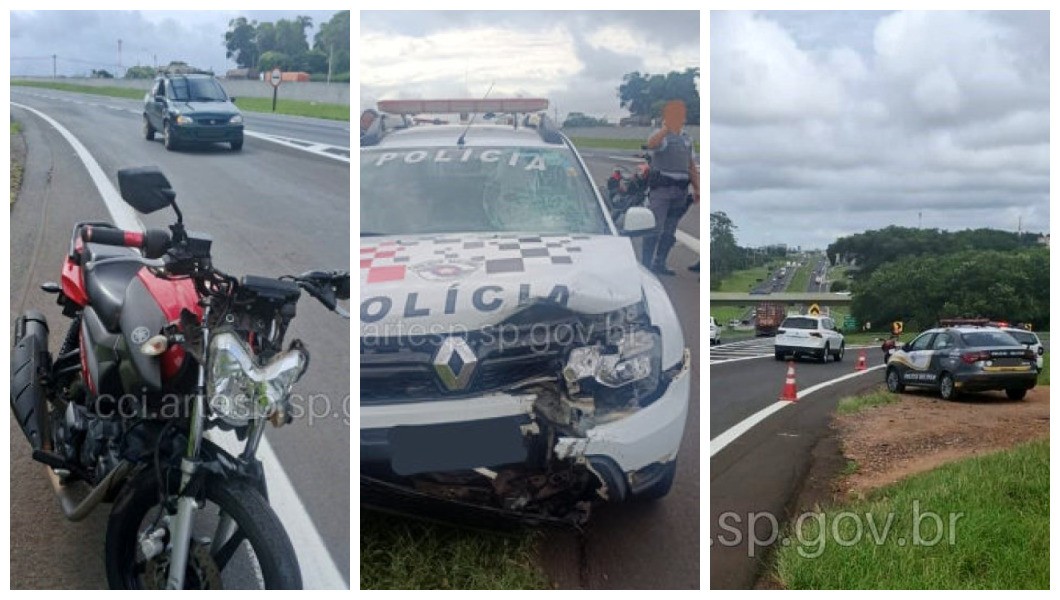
{"type": "Point", "coordinates": [614, 144]}
{"type": "Point", "coordinates": [801, 279]}
{"type": "Point", "coordinates": [399, 553]}
{"type": "Point", "coordinates": [994, 508]}
{"type": "Point", "coordinates": [724, 314]}
{"type": "Point", "coordinates": [1043, 376]}
{"type": "Point", "coordinates": [16, 167]}
{"type": "Point", "coordinates": [745, 280]}
{"type": "Point", "coordinates": [853, 404]}
{"type": "Point", "coordinates": [320, 110]}
{"type": "Point", "coordinates": [301, 108]}
{"type": "Point", "coordinates": [850, 468]}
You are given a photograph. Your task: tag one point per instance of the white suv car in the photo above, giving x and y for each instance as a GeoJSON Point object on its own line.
{"type": "Point", "coordinates": [809, 335]}
{"type": "Point", "coordinates": [715, 332]}
{"type": "Point", "coordinates": [1030, 340]}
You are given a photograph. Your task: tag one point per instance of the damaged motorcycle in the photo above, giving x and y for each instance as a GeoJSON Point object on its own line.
{"type": "Point", "coordinates": [163, 348]}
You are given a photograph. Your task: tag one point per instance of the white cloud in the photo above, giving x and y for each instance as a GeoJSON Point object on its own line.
{"type": "Point", "coordinates": [944, 113]}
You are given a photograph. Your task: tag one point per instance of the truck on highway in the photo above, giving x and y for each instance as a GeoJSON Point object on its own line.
{"type": "Point", "coordinates": [768, 316]}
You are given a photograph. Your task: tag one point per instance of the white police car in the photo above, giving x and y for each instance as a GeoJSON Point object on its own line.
{"type": "Point", "coordinates": [515, 355]}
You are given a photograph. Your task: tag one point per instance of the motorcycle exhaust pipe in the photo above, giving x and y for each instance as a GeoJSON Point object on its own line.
{"type": "Point", "coordinates": [76, 510]}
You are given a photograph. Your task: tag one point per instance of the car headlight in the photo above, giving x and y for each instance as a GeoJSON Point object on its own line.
{"type": "Point", "coordinates": [240, 390]}
{"type": "Point", "coordinates": [236, 120]}
{"type": "Point", "coordinates": [621, 373]}
{"type": "Point", "coordinates": [184, 120]}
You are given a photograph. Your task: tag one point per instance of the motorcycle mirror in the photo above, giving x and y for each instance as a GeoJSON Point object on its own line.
{"type": "Point", "coordinates": [145, 189]}
{"type": "Point", "coordinates": [342, 286]}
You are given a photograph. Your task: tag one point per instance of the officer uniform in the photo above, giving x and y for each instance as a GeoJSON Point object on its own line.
{"type": "Point", "coordinates": [667, 198]}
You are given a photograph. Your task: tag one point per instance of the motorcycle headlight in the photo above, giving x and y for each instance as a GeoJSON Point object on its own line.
{"type": "Point", "coordinates": [618, 374]}
{"type": "Point", "coordinates": [240, 390]}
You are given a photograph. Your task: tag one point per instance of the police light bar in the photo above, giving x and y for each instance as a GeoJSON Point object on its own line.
{"type": "Point", "coordinates": [467, 105]}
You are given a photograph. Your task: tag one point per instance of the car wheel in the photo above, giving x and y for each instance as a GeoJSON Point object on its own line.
{"type": "Point", "coordinates": [825, 354]}
{"type": "Point", "coordinates": [894, 381]}
{"type": "Point", "coordinates": [661, 487]}
{"type": "Point", "coordinates": [1016, 393]}
{"type": "Point", "coordinates": [839, 355]}
{"type": "Point", "coordinates": [149, 132]}
{"type": "Point", "coordinates": [236, 146]}
{"type": "Point", "coordinates": [167, 136]}
{"type": "Point", "coordinates": [947, 389]}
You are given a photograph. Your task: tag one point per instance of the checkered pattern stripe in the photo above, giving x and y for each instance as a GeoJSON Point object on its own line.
{"type": "Point", "coordinates": [389, 261]}
{"type": "Point", "coordinates": [386, 261]}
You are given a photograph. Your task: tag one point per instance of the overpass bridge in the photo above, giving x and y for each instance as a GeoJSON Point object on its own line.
{"type": "Point", "coordinates": [789, 298]}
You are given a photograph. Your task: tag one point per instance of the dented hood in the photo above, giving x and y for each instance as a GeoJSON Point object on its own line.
{"type": "Point", "coordinates": [442, 283]}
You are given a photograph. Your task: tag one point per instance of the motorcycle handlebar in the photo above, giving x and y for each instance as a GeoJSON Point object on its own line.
{"type": "Point", "coordinates": [153, 242]}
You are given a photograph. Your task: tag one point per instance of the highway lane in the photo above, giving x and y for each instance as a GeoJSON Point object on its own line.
{"type": "Point", "coordinates": [762, 471]}
{"type": "Point", "coordinates": [271, 211]}
{"type": "Point", "coordinates": [320, 131]}
{"type": "Point", "coordinates": [640, 545]}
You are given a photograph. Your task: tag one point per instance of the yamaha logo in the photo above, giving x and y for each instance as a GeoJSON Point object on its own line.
{"type": "Point", "coordinates": [455, 363]}
{"type": "Point", "coordinates": [140, 335]}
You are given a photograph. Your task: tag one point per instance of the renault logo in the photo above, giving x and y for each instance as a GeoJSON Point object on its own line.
{"type": "Point", "coordinates": [455, 362]}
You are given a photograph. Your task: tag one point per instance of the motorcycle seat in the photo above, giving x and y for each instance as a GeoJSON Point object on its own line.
{"type": "Point", "coordinates": [105, 284]}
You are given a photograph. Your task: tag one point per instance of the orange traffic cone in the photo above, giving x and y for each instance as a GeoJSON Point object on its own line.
{"type": "Point", "coordinates": [861, 366]}
{"type": "Point", "coordinates": [790, 393]}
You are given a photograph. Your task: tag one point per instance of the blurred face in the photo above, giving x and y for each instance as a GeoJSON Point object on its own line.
{"type": "Point", "coordinates": [674, 113]}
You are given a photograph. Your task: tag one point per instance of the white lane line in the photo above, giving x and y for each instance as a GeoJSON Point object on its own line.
{"type": "Point", "coordinates": [730, 435]}
{"type": "Point", "coordinates": [771, 355]}
{"type": "Point", "coordinates": [303, 145]}
{"type": "Point", "coordinates": [319, 571]}
{"type": "Point", "coordinates": [318, 568]}
{"type": "Point", "coordinates": [124, 216]}
{"type": "Point", "coordinates": [627, 158]}
{"type": "Point", "coordinates": [687, 240]}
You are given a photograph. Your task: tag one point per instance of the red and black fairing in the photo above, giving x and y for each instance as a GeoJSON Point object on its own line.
{"type": "Point", "coordinates": [122, 304]}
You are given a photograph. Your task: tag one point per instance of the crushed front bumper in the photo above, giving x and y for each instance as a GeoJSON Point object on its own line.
{"type": "Point", "coordinates": [622, 456]}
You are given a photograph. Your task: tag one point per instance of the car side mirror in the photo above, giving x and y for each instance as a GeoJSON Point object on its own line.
{"type": "Point", "coordinates": [232, 99]}
{"type": "Point", "coordinates": [145, 189]}
{"type": "Point", "coordinates": [637, 221]}
{"type": "Point", "coordinates": [906, 347]}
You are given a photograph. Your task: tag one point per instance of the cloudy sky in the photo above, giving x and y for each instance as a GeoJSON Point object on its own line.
{"type": "Point", "coordinates": [825, 124]}
{"type": "Point", "coordinates": [576, 59]}
{"type": "Point", "coordinates": [86, 40]}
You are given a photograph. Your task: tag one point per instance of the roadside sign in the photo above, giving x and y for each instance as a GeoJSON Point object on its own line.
{"type": "Point", "coordinates": [850, 323]}
{"type": "Point", "coordinates": [896, 327]}
{"type": "Point", "coordinates": [275, 77]}
{"type": "Point", "coordinates": [815, 310]}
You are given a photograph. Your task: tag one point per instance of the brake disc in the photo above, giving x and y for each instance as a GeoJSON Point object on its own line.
{"type": "Point", "coordinates": [202, 572]}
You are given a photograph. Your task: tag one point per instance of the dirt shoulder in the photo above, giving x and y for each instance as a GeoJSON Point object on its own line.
{"type": "Point", "coordinates": [921, 432]}
{"type": "Point", "coordinates": [18, 159]}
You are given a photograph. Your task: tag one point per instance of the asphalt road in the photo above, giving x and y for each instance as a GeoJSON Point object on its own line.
{"type": "Point", "coordinates": [762, 471]}
{"type": "Point", "coordinates": [272, 210]}
{"type": "Point", "coordinates": [321, 131]}
{"type": "Point", "coordinates": [645, 545]}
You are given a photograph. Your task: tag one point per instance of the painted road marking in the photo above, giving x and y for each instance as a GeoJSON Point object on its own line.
{"type": "Point", "coordinates": [318, 568]}
{"type": "Point", "coordinates": [339, 153]}
{"type": "Point", "coordinates": [335, 152]}
{"type": "Point", "coordinates": [731, 434]}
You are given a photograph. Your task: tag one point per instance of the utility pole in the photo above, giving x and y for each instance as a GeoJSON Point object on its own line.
{"type": "Point", "coordinates": [920, 220]}
{"type": "Point", "coordinates": [53, 67]}
{"type": "Point", "coordinates": [331, 57]}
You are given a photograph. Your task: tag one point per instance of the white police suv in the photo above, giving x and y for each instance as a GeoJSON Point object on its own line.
{"type": "Point", "coordinates": [515, 355]}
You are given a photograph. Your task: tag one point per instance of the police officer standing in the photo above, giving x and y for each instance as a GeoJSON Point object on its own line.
{"type": "Point", "coordinates": [674, 167]}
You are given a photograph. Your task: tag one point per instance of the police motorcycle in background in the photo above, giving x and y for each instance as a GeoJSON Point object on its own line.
{"type": "Point", "coordinates": [626, 189]}
{"type": "Point", "coordinates": [162, 347]}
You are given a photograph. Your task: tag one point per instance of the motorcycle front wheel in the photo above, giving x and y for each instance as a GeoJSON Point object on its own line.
{"type": "Point", "coordinates": [237, 540]}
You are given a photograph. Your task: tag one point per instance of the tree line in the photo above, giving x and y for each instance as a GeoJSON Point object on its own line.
{"type": "Point", "coordinates": [285, 45]}
{"type": "Point", "coordinates": [727, 256]}
{"type": "Point", "coordinates": [922, 275]}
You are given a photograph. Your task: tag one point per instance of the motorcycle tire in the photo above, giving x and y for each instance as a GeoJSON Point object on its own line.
{"type": "Point", "coordinates": [254, 519]}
